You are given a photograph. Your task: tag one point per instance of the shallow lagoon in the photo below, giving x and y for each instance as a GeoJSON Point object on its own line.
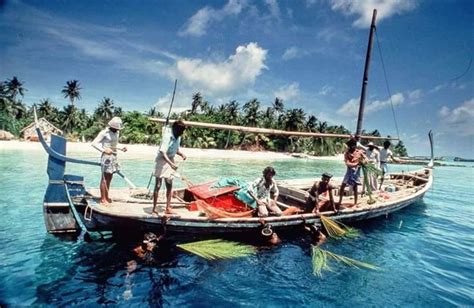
{"type": "Point", "coordinates": [425, 252]}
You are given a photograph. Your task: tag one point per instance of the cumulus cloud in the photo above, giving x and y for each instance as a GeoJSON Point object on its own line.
{"type": "Point", "coordinates": [240, 69]}
{"type": "Point", "coordinates": [198, 23]}
{"type": "Point", "coordinates": [288, 92]}
{"type": "Point", "coordinates": [459, 120]}
{"type": "Point", "coordinates": [351, 108]}
{"type": "Point", "coordinates": [363, 9]}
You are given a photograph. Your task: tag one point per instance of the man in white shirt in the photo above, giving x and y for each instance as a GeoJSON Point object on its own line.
{"type": "Point", "coordinates": [107, 143]}
{"type": "Point", "coordinates": [385, 156]}
{"type": "Point", "coordinates": [165, 165]}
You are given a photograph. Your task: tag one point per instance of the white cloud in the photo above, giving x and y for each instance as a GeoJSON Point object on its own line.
{"type": "Point", "coordinates": [291, 53]}
{"type": "Point", "coordinates": [351, 108]}
{"type": "Point", "coordinates": [198, 23]}
{"type": "Point", "coordinates": [415, 96]}
{"type": "Point", "coordinates": [364, 8]}
{"type": "Point", "coordinates": [180, 103]}
{"type": "Point", "coordinates": [274, 8]}
{"type": "Point", "coordinates": [459, 120]}
{"type": "Point", "coordinates": [240, 69]}
{"type": "Point", "coordinates": [288, 92]}
{"type": "Point", "coordinates": [326, 90]}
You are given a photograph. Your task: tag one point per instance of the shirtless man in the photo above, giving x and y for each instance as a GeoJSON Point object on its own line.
{"type": "Point", "coordinates": [313, 201]}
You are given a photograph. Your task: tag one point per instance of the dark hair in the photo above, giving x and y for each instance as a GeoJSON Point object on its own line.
{"type": "Point", "coordinates": [351, 143]}
{"type": "Point", "coordinates": [179, 124]}
{"type": "Point", "coordinates": [387, 144]}
{"type": "Point", "coordinates": [269, 170]}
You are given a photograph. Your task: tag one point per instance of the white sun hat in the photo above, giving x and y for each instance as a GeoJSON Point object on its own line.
{"type": "Point", "coordinates": [116, 123]}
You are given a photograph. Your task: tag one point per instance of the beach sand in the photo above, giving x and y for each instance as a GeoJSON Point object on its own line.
{"type": "Point", "coordinates": [140, 151]}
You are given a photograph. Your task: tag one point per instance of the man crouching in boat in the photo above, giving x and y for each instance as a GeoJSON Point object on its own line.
{"type": "Point", "coordinates": [107, 143]}
{"type": "Point", "coordinates": [265, 192]}
{"type": "Point", "coordinates": [313, 202]}
{"type": "Point", "coordinates": [165, 166]}
{"type": "Point", "coordinates": [353, 158]}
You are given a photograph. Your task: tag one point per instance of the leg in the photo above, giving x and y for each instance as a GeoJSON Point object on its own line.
{"type": "Point", "coordinates": [262, 211]}
{"type": "Point", "coordinates": [381, 180]}
{"type": "Point", "coordinates": [169, 188]}
{"type": "Point", "coordinates": [274, 209]}
{"type": "Point", "coordinates": [341, 193]}
{"type": "Point", "coordinates": [155, 194]}
{"type": "Point", "coordinates": [355, 193]}
{"type": "Point", "coordinates": [108, 180]}
{"type": "Point", "coordinates": [103, 189]}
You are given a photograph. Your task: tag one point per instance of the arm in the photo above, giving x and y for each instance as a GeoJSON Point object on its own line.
{"type": "Point", "coordinates": [275, 191]}
{"type": "Point", "coordinates": [168, 160]}
{"type": "Point", "coordinates": [181, 154]}
{"type": "Point", "coordinates": [97, 143]}
{"type": "Point", "coordinates": [331, 198]}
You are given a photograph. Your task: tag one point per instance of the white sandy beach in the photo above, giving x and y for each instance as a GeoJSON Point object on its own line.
{"type": "Point", "coordinates": [138, 151]}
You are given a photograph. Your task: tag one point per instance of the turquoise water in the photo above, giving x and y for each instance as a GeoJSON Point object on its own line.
{"type": "Point", "coordinates": [425, 252]}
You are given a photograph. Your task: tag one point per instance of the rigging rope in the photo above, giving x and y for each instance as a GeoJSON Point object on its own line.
{"type": "Point", "coordinates": [388, 88]}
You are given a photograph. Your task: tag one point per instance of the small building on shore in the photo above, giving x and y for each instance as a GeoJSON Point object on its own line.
{"type": "Point", "coordinates": [29, 132]}
{"type": "Point", "coordinates": [4, 135]}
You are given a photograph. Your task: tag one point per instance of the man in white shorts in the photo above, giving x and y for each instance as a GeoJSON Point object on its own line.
{"type": "Point", "coordinates": [165, 165]}
{"type": "Point", "coordinates": [386, 155]}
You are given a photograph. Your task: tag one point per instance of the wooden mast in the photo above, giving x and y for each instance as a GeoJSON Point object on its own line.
{"type": "Point", "coordinates": [266, 131]}
{"type": "Point", "coordinates": [365, 79]}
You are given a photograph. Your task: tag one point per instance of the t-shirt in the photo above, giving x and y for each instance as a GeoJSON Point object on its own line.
{"type": "Point", "coordinates": [169, 143]}
{"type": "Point", "coordinates": [373, 156]}
{"type": "Point", "coordinates": [385, 154]}
{"type": "Point", "coordinates": [106, 139]}
{"type": "Point", "coordinates": [261, 191]}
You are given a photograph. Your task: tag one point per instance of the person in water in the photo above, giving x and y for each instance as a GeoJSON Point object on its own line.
{"type": "Point", "coordinates": [352, 158]}
{"type": "Point", "coordinates": [165, 166]}
{"type": "Point", "coordinates": [313, 202]}
{"type": "Point", "coordinates": [107, 143]}
{"type": "Point", "coordinates": [265, 192]}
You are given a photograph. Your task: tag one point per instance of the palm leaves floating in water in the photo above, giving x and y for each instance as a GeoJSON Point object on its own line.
{"type": "Point", "coordinates": [338, 230]}
{"type": "Point", "coordinates": [320, 258]}
{"type": "Point", "coordinates": [218, 249]}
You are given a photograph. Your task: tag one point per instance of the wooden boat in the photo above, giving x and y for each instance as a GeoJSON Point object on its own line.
{"type": "Point", "coordinates": [70, 206]}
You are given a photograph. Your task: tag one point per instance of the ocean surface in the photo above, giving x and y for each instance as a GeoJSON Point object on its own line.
{"type": "Point", "coordinates": [425, 252]}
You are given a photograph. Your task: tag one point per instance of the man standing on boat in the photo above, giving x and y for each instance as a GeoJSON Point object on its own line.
{"type": "Point", "coordinates": [107, 143]}
{"type": "Point", "coordinates": [386, 155]}
{"type": "Point", "coordinates": [265, 192]}
{"type": "Point", "coordinates": [352, 158]}
{"type": "Point", "coordinates": [373, 156]}
{"type": "Point", "coordinates": [165, 166]}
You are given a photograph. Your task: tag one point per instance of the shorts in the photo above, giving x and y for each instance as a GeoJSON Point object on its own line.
{"type": "Point", "coordinates": [384, 167]}
{"type": "Point", "coordinates": [109, 163]}
{"type": "Point", "coordinates": [163, 169]}
{"type": "Point", "coordinates": [352, 177]}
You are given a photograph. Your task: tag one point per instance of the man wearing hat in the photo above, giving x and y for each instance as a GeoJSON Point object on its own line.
{"type": "Point", "coordinates": [313, 202]}
{"type": "Point", "coordinates": [107, 143]}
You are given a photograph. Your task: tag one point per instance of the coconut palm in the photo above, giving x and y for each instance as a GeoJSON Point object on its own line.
{"type": "Point", "coordinates": [14, 87]}
{"type": "Point", "coordinates": [72, 91]}
{"type": "Point", "coordinates": [251, 112]}
{"type": "Point", "coordinates": [196, 103]}
{"type": "Point", "coordinates": [69, 116]}
{"type": "Point", "coordinates": [231, 116]}
{"type": "Point", "coordinates": [311, 123]}
{"type": "Point", "coordinates": [105, 109]}
{"type": "Point", "coordinates": [278, 106]}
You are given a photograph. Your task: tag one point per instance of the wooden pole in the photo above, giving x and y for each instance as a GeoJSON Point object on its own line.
{"type": "Point", "coordinates": [268, 131]}
{"type": "Point", "coordinates": [365, 79]}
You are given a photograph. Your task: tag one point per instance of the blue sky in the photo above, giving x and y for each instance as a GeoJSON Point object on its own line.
{"type": "Point", "coordinates": [309, 53]}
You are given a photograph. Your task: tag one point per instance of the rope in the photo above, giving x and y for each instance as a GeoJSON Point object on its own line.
{"type": "Point", "coordinates": [386, 83]}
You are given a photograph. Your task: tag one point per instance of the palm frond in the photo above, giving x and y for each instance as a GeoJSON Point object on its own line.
{"type": "Point", "coordinates": [337, 229]}
{"type": "Point", "coordinates": [320, 257]}
{"type": "Point", "coordinates": [351, 262]}
{"type": "Point", "coordinates": [319, 260]}
{"type": "Point", "coordinates": [218, 249]}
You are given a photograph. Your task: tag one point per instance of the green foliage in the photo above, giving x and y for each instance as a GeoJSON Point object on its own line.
{"type": "Point", "coordinates": [320, 257]}
{"type": "Point", "coordinates": [218, 249]}
{"type": "Point", "coordinates": [78, 123]}
{"type": "Point", "coordinates": [400, 150]}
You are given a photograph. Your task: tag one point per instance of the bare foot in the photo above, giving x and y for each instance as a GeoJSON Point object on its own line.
{"type": "Point", "coordinates": [169, 211]}
{"type": "Point", "coordinates": [109, 200]}
{"type": "Point", "coordinates": [154, 213]}
{"type": "Point", "coordinates": [104, 202]}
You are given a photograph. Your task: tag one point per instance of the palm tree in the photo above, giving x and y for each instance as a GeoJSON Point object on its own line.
{"type": "Point", "coordinates": [196, 103]}
{"type": "Point", "coordinates": [278, 106]}
{"type": "Point", "coordinates": [251, 112]}
{"type": "Point", "coordinates": [14, 87]}
{"type": "Point", "coordinates": [105, 109]}
{"type": "Point", "coordinates": [231, 116]}
{"type": "Point", "coordinates": [69, 116]}
{"type": "Point", "coordinates": [72, 90]}
{"type": "Point", "coordinates": [118, 112]}
{"type": "Point", "coordinates": [294, 119]}
{"type": "Point", "coordinates": [312, 123]}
